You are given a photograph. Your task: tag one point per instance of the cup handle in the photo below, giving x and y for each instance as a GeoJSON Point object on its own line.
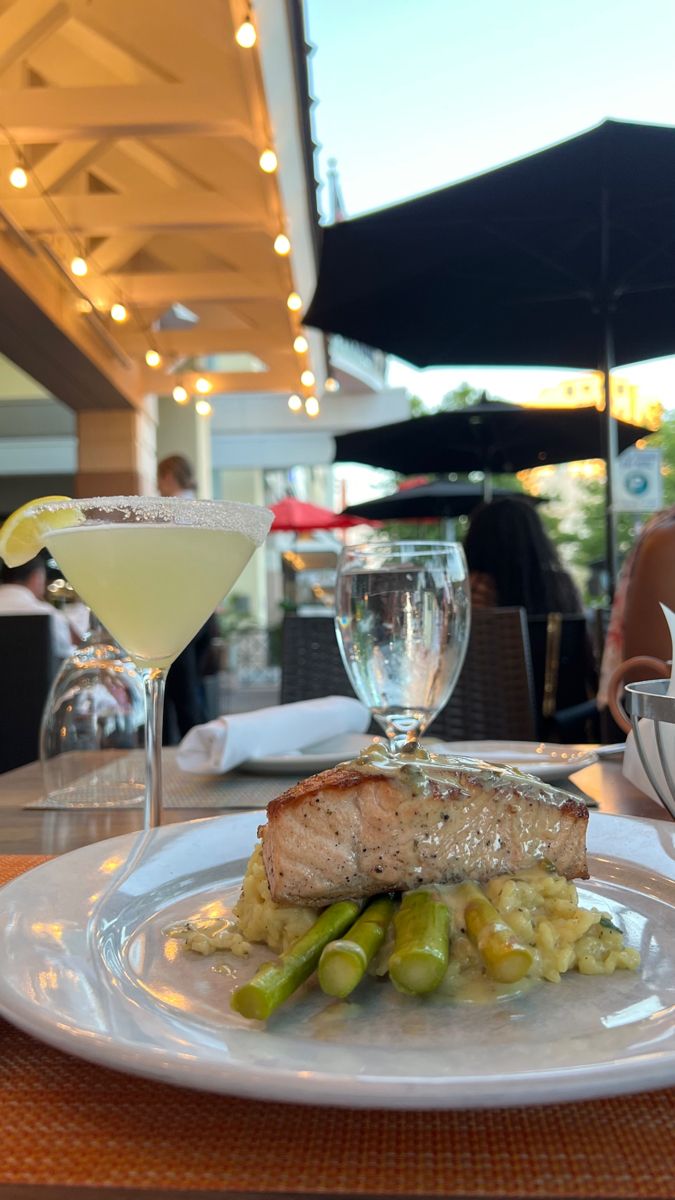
{"type": "Point", "coordinates": [656, 668]}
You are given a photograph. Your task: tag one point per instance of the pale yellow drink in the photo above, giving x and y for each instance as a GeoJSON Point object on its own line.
{"type": "Point", "coordinates": [152, 585]}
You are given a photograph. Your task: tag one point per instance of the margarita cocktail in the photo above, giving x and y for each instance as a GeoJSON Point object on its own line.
{"type": "Point", "coordinates": [153, 571]}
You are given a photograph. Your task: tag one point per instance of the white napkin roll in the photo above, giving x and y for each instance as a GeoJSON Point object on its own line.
{"type": "Point", "coordinates": [222, 744]}
{"type": "Point", "coordinates": [632, 766]}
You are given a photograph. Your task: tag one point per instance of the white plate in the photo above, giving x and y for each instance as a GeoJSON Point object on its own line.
{"type": "Point", "coordinates": [546, 760]}
{"type": "Point", "coordinates": [86, 966]}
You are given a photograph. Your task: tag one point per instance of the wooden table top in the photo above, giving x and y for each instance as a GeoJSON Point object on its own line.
{"type": "Point", "coordinates": [55, 831]}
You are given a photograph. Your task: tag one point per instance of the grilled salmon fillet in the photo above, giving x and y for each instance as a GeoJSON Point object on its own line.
{"type": "Point", "coordinates": [351, 833]}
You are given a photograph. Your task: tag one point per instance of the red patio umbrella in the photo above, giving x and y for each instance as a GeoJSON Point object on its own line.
{"type": "Point", "coordinates": [291, 515]}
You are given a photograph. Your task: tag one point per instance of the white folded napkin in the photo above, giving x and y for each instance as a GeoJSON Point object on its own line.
{"type": "Point", "coordinates": [222, 744]}
{"type": "Point", "coordinates": [632, 767]}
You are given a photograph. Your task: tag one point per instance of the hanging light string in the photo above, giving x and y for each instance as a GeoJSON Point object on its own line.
{"type": "Point", "coordinates": [246, 37]}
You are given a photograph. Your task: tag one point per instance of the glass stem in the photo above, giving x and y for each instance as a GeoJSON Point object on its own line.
{"type": "Point", "coordinates": [153, 683]}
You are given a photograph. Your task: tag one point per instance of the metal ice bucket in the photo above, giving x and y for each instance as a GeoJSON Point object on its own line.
{"type": "Point", "coordinates": [650, 699]}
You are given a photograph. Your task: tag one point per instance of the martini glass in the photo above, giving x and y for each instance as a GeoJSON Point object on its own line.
{"type": "Point", "coordinates": [402, 622]}
{"type": "Point", "coordinates": [153, 570]}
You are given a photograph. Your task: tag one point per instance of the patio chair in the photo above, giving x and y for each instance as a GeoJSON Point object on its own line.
{"type": "Point", "coordinates": [565, 678]}
{"type": "Point", "coordinates": [493, 697]}
{"type": "Point", "coordinates": [27, 667]}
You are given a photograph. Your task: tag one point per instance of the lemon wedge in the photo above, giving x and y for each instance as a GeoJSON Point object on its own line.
{"type": "Point", "coordinates": [23, 534]}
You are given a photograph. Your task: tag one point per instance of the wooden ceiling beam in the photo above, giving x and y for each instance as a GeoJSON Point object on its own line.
{"type": "Point", "coordinates": [156, 211]}
{"type": "Point", "coordinates": [27, 22]}
{"type": "Point", "coordinates": [280, 379]}
{"type": "Point", "coordinates": [59, 114]}
{"type": "Point", "coordinates": [169, 287]}
{"type": "Point", "coordinates": [198, 342]}
{"type": "Point", "coordinates": [63, 162]}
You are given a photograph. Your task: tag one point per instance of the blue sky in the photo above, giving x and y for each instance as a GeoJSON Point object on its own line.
{"type": "Point", "coordinates": [415, 94]}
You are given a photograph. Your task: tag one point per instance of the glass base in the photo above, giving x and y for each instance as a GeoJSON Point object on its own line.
{"type": "Point", "coordinates": [88, 795]}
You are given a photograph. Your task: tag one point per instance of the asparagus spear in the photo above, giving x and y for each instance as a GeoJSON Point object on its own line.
{"type": "Point", "coordinates": [274, 982]}
{"type": "Point", "coordinates": [343, 963]}
{"type": "Point", "coordinates": [422, 941]}
{"type": "Point", "coordinates": [503, 956]}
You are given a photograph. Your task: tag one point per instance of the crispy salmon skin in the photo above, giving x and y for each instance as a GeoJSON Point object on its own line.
{"type": "Point", "coordinates": [357, 830]}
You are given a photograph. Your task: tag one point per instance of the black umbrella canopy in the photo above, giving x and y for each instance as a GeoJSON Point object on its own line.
{"type": "Point", "coordinates": [440, 499]}
{"type": "Point", "coordinates": [522, 265]}
{"type": "Point", "coordinates": [491, 436]}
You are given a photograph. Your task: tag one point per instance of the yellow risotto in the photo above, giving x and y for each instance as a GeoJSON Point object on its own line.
{"type": "Point", "coordinates": [540, 907]}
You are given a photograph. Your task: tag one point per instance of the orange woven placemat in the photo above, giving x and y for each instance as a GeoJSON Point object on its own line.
{"type": "Point", "coordinates": [69, 1123]}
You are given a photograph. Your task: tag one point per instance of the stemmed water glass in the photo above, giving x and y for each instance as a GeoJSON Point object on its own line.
{"type": "Point", "coordinates": [153, 571]}
{"type": "Point", "coordinates": [402, 623]}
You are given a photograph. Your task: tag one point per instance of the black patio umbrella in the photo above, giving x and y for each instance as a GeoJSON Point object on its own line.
{"type": "Point", "coordinates": [563, 258]}
{"type": "Point", "coordinates": [443, 498]}
{"type": "Point", "coordinates": [490, 436]}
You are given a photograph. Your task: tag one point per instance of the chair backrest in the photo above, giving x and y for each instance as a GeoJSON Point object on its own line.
{"type": "Point", "coordinates": [311, 664]}
{"type": "Point", "coordinates": [493, 697]}
{"type": "Point", "coordinates": [574, 674]}
{"type": "Point", "coordinates": [27, 666]}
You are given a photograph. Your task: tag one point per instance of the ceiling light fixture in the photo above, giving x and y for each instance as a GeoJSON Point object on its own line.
{"type": "Point", "coordinates": [153, 358]}
{"type": "Point", "coordinates": [246, 35]}
{"type": "Point", "coordinates": [179, 394]}
{"type": "Point", "coordinates": [282, 244]}
{"type": "Point", "coordinates": [203, 408]}
{"type": "Point", "coordinates": [294, 403]}
{"type": "Point", "coordinates": [331, 385]}
{"type": "Point", "coordinates": [308, 379]}
{"type": "Point", "coordinates": [78, 265]}
{"type": "Point", "coordinates": [294, 302]}
{"type": "Point", "coordinates": [268, 161]}
{"type": "Point", "coordinates": [118, 312]}
{"type": "Point", "coordinates": [312, 407]}
{"type": "Point", "coordinates": [301, 345]}
{"type": "Point", "coordinates": [203, 386]}
{"type": "Point", "coordinates": [18, 177]}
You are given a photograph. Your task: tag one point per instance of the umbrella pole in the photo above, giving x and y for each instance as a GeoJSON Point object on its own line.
{"type": "Point", "coordinates": [611, 438]}
{"type": "Point", "coordinates": [611, 454]}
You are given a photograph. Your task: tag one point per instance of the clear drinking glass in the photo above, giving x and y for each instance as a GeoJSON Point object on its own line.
{"type": "Point", "coordinates": [402, 621]}
{"type": "Point", "coordinates": [153, 570]}
{"type": "Point", "coordinates": [94, 710]}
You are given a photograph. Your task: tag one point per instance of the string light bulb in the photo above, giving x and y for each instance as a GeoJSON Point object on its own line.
{"type": "Point", "coordinates": [153, 358]}
{"type": "Point", "coordinates": [246, 35]}
{"type": "Point", "coordinates": [203, 408]}
{"type": "Point", "coordinates": [18, 177]}
{"type": "Point", "coordinates": [294, 302]}
{"type": "Point", "coordinates": [78, 265]}
{"type": "Point", "coordinates": [180, 394]}
{"type": "Point", "coordinates": [307, 379]}
{"type": "Point", "coordinates": [312, 407]}
{"type": "Point", "coordinates": [331, 385]}
{"type": "Point", "coordinates": [301, 345]}
{"type": "Point", "coordinates": [268, 161]}
{"type": "Point", "coordinates": [294, 403]}
{"type": "Point", "coordinates": [118, 312]}
{"type": "Point", "coordinates": [282, 244]}
{"type": "Point", "coordinates": [203, 386]}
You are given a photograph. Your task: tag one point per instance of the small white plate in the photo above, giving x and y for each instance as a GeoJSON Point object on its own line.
{"type": "Point", "coordinates": [546, 760]}
{"type": "Point", "coordinates": [86, 965]}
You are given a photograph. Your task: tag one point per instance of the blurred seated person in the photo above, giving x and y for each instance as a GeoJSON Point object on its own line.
{"type": "Point", "coordinates": [176, 477]}
{"type": "Point", "coordinates": [22, 592]}
{"type": "Point", "coordinates": [184, 698]}
{"type": "Point", "coordinates": [513, 562]}
{"type": "Point", "coordinates": [637, 625]}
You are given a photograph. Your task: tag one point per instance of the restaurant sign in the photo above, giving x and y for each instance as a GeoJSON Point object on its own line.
{"type": "Point", "coordinates": [638, 483]}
